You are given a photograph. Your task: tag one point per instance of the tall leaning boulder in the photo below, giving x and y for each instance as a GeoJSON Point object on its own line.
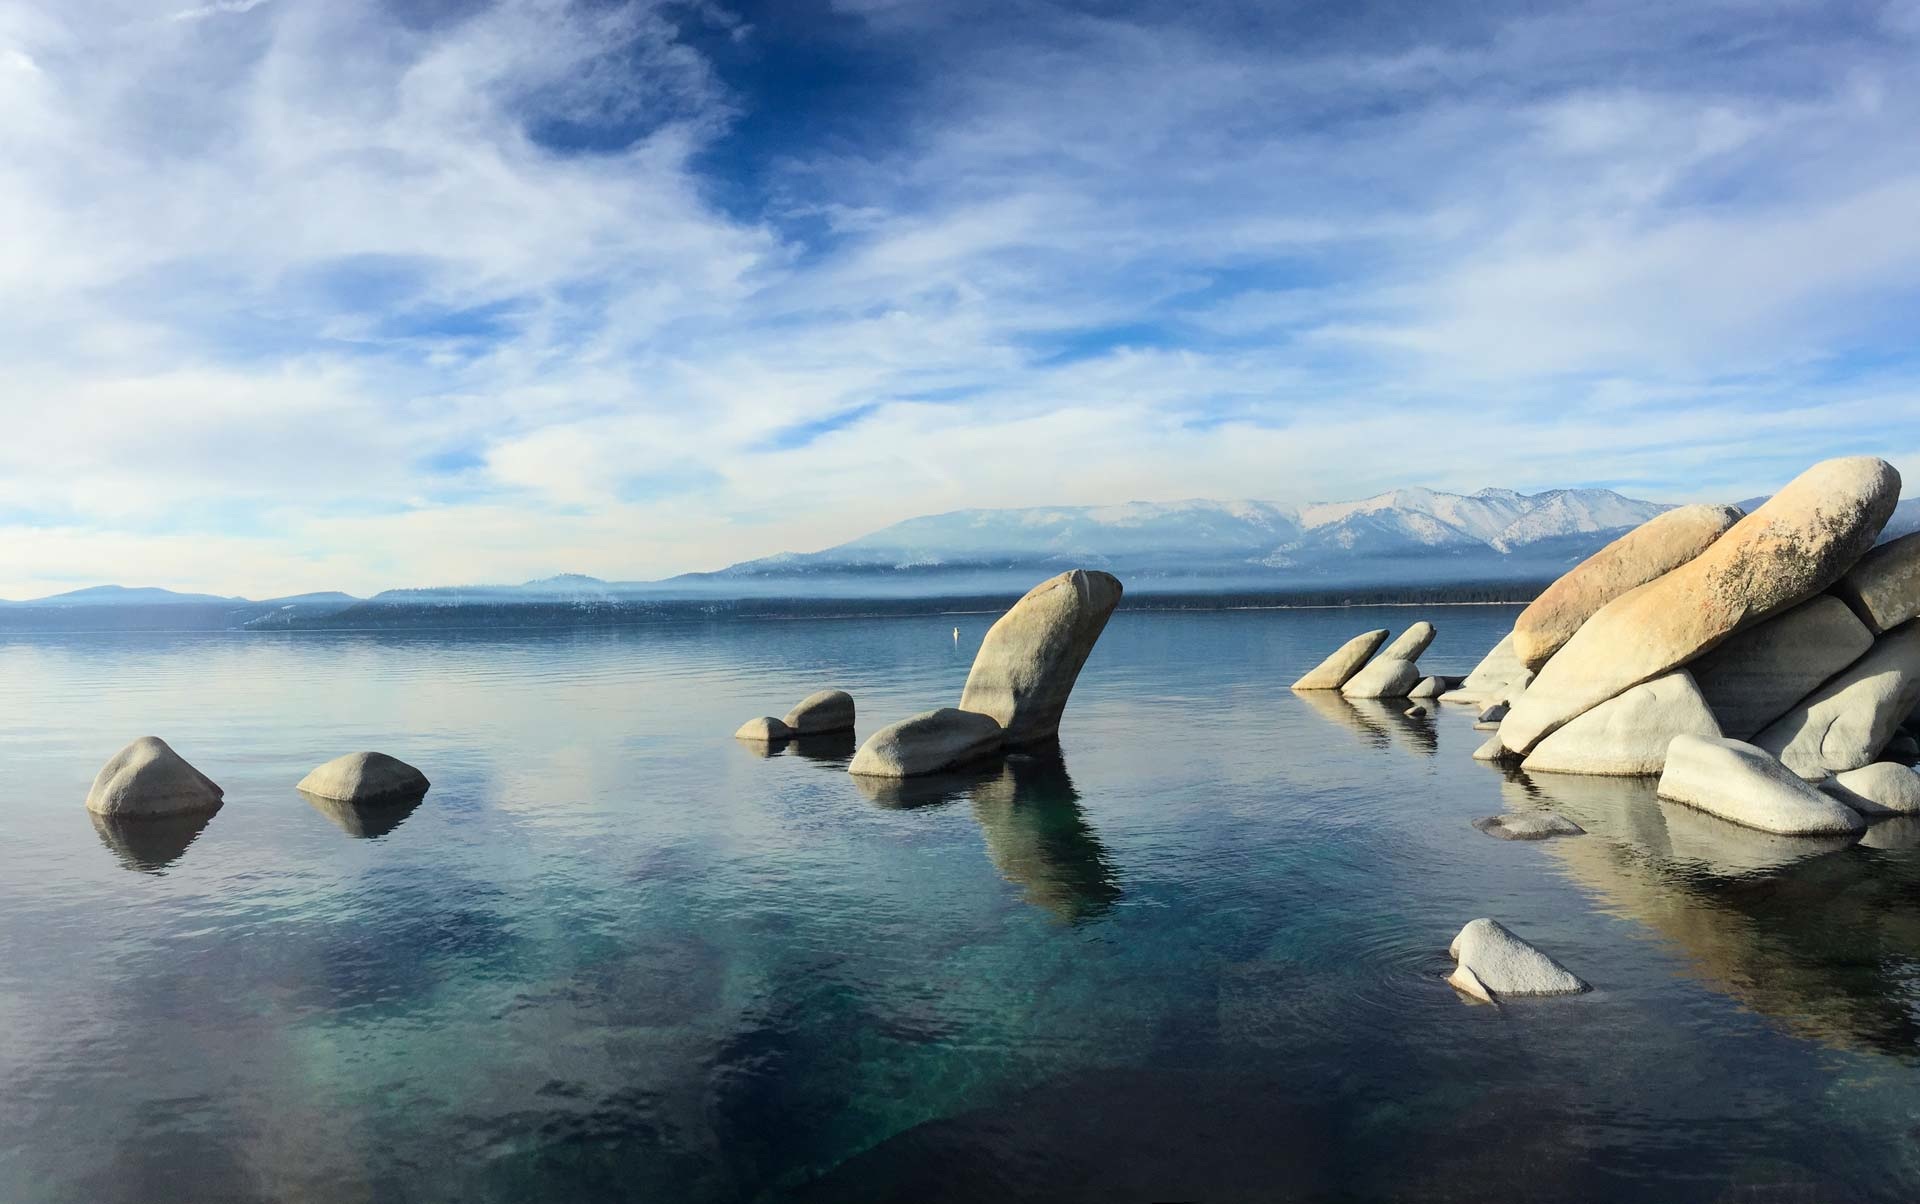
{"type": "Point", "coordinates": [1029, 660]}
{"type": "Point", "coordinates": [1788, 550]}
{"type": "Point", "coordinates": [1347, 660]}
{"type": "Point", "coordinates": [1652, 549]}
{"type": "Point", "coordinates": [1884, 588]}
{"type": "Point", "coordinates": [1412, 642]}
{"type": "Point", "coordinates": [1758, 674]}
{"type": "Point", "coordinates": [147, 780]}
{"type": "Point", "coordinates": [1847, 722]}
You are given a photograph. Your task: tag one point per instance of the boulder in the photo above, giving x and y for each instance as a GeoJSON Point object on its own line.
{"type": "Point", "coordinates": [1385, 677]}
{"type": "Point", "coordinates": [823, 711]}
{"type": "Point", "coordinates": [365, 777]}
{"type": "Point", "coordinates": [1030, 658]}
{"type": "Point", "coordinates": [928, 743]}
{"type": "Point", "coordinates": [1758, 674]}
{"type": "Point", "coordinates": [1788, 550]}
{"type": "Point", "coordinates": [1884, 587]}
{"type": "Point", "coordinates": [1493, 964]}
{"type": "Point", "coordinates": [147, 779]}
{"type": "Point", "coordinates": [1849, 721]}
{"type": "Point", "coordinates": [1492, 716]}
{"type": "Point", "coordinates": [1416, 711]}
{"type": "Point", "coordinates": [1744, 785]}
{"type": "Point", "coordinates": [1627, 736]}
{"type": "Point", "coordinates": [1652, 549]}
{"type": "Point", "coordinates": [1882, 788]}
{"type": "Point", "coordinates": [1433, 687]}
{"type": "Point", "coordinates": [1493, 751]}
{"type": "Point", "coordinates": [1530, 826]}
{"type": "Point", "coordinates": [764, 730]}
{"type": "Point", "coordinates": [1332, 673]}
{"type": "Point", "coordinates": [1489, 677]}
{"type": "Point", "coordinates": [1412, 642]}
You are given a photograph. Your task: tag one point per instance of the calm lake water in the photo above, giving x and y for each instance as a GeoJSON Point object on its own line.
{"type": "Point", "coordinates": [616, 955]}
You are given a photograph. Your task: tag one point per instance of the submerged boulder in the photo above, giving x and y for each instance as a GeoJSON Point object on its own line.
{"type": "Point", "coordinates": [1758, 674]}
{"type": "Point", "coordinates": [1493, 964]}
{"type": "Point", "coordinates": [365, 777]}
{"type": "Point", "coordinates": [1783, 553]}
{"type": "Point", "coordinates": [1884, 588]}
{"type": "Point", "coordinates": [1530, 826]}
{"type": "Point", "coordinates": [1412, 642]}
{"type": "Point", "coordinates": [1658, 546]}
{"type": "Point", "coordinates": [1332, 673]}
{"type": "Point", "coordinates": [764, 730]}
{"type": "Point", "coordinates": [1488, 678]}
{"type": "Point", "coordinates": [928, 743]}
{"type": "Point", "coordinates": [1385, 677]}
{"type": "Point", "coordinates": [1031, 657]}
{"type": "Point", "coordinates": [822, 711]}
{"type": "Point", "coordinates": [1849, 721]}
{"type": "Point", "coordinates": [1627, 736]}
{"type": "Point", "coordinates": [147, 779]}
{"type": "Point", "coordinates": [1744, 785]}
{"type": "Point", "coordinates": [1882, 788]}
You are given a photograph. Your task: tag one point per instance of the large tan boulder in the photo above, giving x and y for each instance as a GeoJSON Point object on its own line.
{"type": "Point", "coordinates": [1652, 549]}
{"type": "Point", "coordinates": [1627, 736]}
{"type": "Point", "coordinates": [1347, 659]}
{"type": "Point", "coordinates": [365, 777]}
{"type": "Point", "coordinates": [1884, 588]}
{"type": "Point", "coordinates": [1788, 550]}
{"type": "Point", "coordinates": [1412, 642]}
{"type": "Point", "coordinates": [1029, 660]}
{"type": "Point", "coordinates": [1744, 785]}
{"type": "Point", "coordinates": [928, 743]}
{"type": "Point", "coordinates": [1849, 721]}
{"type": "Point", "coordinates": [1758, 674]}
{"type": "Point", "coordinates": [1490, 677]}
{"type": "Point", "coordinates": [1384, 677]}
{"type": "Point", "coordinates": [147, 779]}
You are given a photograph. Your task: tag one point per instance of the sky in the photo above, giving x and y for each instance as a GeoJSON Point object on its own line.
{"type": "Point", "coordinates": [359, 294]}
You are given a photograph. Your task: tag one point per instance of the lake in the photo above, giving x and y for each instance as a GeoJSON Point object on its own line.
{"type": "Point", "coordinates": [614, 954]}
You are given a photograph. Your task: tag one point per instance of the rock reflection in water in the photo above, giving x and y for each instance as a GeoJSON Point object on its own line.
{"type": "Point", "coordinates": [1818, 936]}
{"type": "Point", "coordinates": [1375, 722]}
{"type": "Point", "coordinates": [836, 747]}
{"type": "Point", "coordinates": [364, 821]}
{"type": "Point", "coordinates": [1038, 838]}
{"type": "Point", "coordinates": [150, 845]}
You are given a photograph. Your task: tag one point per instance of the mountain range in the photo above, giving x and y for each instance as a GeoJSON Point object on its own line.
{"type": "Point", "coordinates": [1404, 540]}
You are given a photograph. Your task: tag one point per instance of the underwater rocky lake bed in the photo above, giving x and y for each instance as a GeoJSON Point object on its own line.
{"type": "Point", "coordinates": [1196, 953]}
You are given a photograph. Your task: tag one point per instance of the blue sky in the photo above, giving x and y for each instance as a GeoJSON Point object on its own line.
{"type": "Point", "coordinates": [360, 294]}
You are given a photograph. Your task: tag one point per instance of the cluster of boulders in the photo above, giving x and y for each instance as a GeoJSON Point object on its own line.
{"type": "Point", "coordinates": [1357, 672]}
{"type": "Point", "coordinates": [1014, 696]}
{"type": "Point", "coordinates": [148, 781]}
{"type": "Point", "coordinates": [1765, 666]}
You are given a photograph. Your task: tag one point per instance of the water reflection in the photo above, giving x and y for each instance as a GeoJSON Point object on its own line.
{"type": "Point", "coordinates": [1819, 937]}
{"type": "Point", "coordinates": [929, 790]}
{"type": "Point", "coordinates": [823, 746]}
{"type": "Point", "coordinates": [149, 846]}
{"type": "Point", "coordinates": [1375, 722]}
{"type": "Point", "coordinates": [1038, 838]}
{"type": "Point", "coordinates": [364, 821]}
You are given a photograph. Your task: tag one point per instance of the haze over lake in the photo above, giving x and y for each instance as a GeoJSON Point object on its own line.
{"type": "Point", "coordinates": [616, 954]}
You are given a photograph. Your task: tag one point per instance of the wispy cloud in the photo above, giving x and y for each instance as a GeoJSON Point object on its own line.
{"type": "Point", "coordinates": [370, 293]}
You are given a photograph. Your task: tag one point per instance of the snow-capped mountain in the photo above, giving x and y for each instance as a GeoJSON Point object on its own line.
{"type": "Point", "coordinates": [1423, 534]}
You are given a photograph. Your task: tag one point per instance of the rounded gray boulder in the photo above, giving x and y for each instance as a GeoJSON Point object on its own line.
{"type": "Point", "coordinates": [823, 711]}
{"type": "Point", "coordinates": [365, 777]}
{"type": "Point", "coordinates": [148, 779]}
{"type": "Point", "coordinates": [1031, 657]}
{"type": "Point", "coordinates": [927, 743]}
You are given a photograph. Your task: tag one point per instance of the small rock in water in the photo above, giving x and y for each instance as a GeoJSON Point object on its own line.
{"type": "Point", "coordinates": [1532, 826]}
{"type": "Point", "coordinates": [365, 777]}
{"type": "Point", "coordinates": [1745, 785]}
{"type": "Point", "coordinates": [1494, 963]}
{"type": "Point", "coordinates": [928, 743]}
{"type": "Point", "coordinates": [146, 779]}
{"type": "Point", "coordinates": [765, 729]}
{"type": "Point", "coordinates": [1493, 750]}
{"type": "Point", "coordinates": [824, 711]}
{"type": "Point", "coordinates": [1416, 711]}
{"type": "Point", "coordinates": [1882, 788]}
{"type": "Point", "coordinates": [1433, 687]}
{"type": "Point", "coordinates": [1347, 660]}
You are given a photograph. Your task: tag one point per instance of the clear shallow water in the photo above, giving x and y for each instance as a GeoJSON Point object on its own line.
{"type": "Point", "coordinates": [615, 954]}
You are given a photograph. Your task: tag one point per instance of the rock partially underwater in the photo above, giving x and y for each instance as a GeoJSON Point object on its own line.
{"type": "Point", "coordinates": [147, 779]}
